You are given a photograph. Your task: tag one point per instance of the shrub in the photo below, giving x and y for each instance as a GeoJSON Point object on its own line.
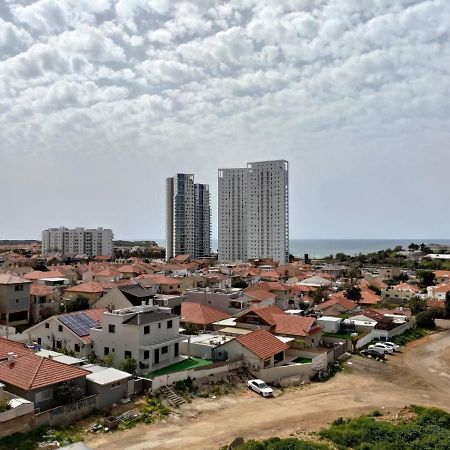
{"type": "Point", "coordinates": [4, 405]}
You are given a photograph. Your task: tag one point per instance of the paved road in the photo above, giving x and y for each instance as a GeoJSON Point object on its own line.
{"type": "Point", "coordinates": [419, 375]}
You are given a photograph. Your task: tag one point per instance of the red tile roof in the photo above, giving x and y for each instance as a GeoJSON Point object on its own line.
{"type": "Point", "coordinates": [258, 294]}
{"type": "Point", "coordinates": [295, 325]}
{"type": "Point", "coordinates": [40, 290]}
{"type": "Point", "coordinates": [38, 275]}
{"type": "Point", "coordinates": [90, 287]}
{"type": "Point", "coordinates": [337, 299]}
{"type": "Point", "coordinates": [262, 343]}
{"type": "Point", "coordinates": [406, 287]}
{"type": "Point", "coordinates": [201, 314]}
{"type": "Point", "coordinates": [264, 312]}
{"type": "Point", "coordinates": [368, 297]}
{"type": "Point", "coordinates": [273, 286]}
{"type": "Point", "coordinates": [7, 346]}
{"type": "Point", "coordinates": [442, 288]}
{"type": "Point", "coordinates": [30, 371]}
{"type": "Point", "coordinates": [9, 278]}
{"type": "Point", "coordinates": [159, 279]}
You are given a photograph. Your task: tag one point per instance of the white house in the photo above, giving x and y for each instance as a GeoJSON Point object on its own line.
{"type": "Point", "coordinates": [149, 334]}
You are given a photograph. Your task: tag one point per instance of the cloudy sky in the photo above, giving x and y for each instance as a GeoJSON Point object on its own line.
{"type": "Point", "coordinates": [100, 100]}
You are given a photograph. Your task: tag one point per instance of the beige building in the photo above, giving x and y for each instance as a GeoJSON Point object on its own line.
{"type": "Point", "coordinates": [14, 300]}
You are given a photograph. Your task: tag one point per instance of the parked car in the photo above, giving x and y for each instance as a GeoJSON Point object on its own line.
{"type": "Point", "coordinates": [395, 346]}
{"type": "Point", "coordinates": [260, 387]}
{"type": "Point", "coordinates": [373, 354]}
{"type": "Point", "coordinates": [382, 347]}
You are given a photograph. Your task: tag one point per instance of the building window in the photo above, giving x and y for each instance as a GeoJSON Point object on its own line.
{"type": "Point", "coordinates": [106, 351]}
{"type": "Point", "coordinates": [169, 324]}
{"type": "Point", "coordinates": [115, 385]}
{"type": "Point", "coordinates": [111, 328]}
{"type": "Point", "coordinates": [128, 354]}
{"type": "Point", "coordinates": [58, 344]}
{"type": "Point", "coordinates": [18, 288]}
{"type": "Point", "coordinates": [164, 349]}
{"type": "Point", "coordinates": [146, 354]}
{"type": "Point", "coordinates": [47, 325]}
{"type": "Point", "coordinates": [43, 396]}
{"type": "Point", "coordinates": [60, 328]}
{"type": "Point", "coordinates": [39, 341]}
{"type": "Point", "coordinates": [159, 325]}
{"type": "Point", "coordinates": [77, 348]}
{"type": "Point", "coordinates": [147, 329]}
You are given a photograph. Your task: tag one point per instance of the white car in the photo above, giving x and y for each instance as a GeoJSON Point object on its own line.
{"type": "Point", "coordinates": [393, 345]}
{"type": "Point", "coordinates": [260, 387]}
{"type": "Point", "coordinates": [381, 347]}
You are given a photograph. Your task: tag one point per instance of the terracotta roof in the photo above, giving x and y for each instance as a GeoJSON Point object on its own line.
{"type": "Point", "coordinates": [295, 325]}
{"type": "Point", "coordinates": [264, 312]}
{"type": "Point", "coordinates": [258, 294]}
{"type": "Point", "coordinates": [40, 290]}
{"type": "Point", "coordinates": [337, 299]}
{"type": "Point", "coordinates": [406, 287]}
{"type": "Point", "coordinates": [90, 287]}
{"type": "Point", "coordinates": [7, 346]}
{"type": "Point", "coordinates": [272, 275]}
{"type": "Point", "coordinates": [9, 278]}
{"type": "Point", "coordinates": [128, 268]}
{"type": "Point", "coordinates": [442, 273]}
{"type": "Point", "coordinates": [273, 286]}
{"type": "Point", "coordinates": [39, 275]}
{"type": "Point", "coordinates": [435, 304]}
{"type": "Point", "coordinates": [30, 371]}
{"type": "Point", "coordinates": [201, 314]}
{"type": "Point", "coordinates": [442, 288]}
{"type": "Point", "coordinates": [368, 297]}
{"type": "Point", "coordinates": [159, 279]}
{"type": "Point", "coordinates": [296, 288]}
{"type": "Point", "coordinates": [262, 343]}
{"type": "Point", "coordinates": [108, 272]}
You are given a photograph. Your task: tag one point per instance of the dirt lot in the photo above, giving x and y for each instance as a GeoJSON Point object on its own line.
{"type": "Point", "coordinates": [419, 375]}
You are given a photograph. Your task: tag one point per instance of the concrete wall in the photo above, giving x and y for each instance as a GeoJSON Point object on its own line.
{"type": "Point", "coordinates": [213, 369]}
{"type": "Point", "coordinates": [106, 394]}
{"type": "Point", "coordinates": [20, 424]}
{"type": "Point", "coordinates": [67, 414]}
{"type": "Point", "coordinates": [278, 373]}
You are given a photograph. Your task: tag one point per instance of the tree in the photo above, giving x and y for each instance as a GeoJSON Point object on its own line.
{"type": "Point", "coordinates": [417, 305]}
{"type": "Point", "coordinates": [68, 392]}
{"type": "Point", "coordinates": [108, 360]}
{"type": "Point", "coordinates": [413, 247]}
{"type": "Point", "coordinates": [128, 365]}
{"type": "Point", "coordinates": [425, 319]}
{"type": "Point", "coordinates": [240, 284]}
{"type": "Point", "coordinates": [447, 304]}
{"type": "Point", "coordinates": [79, 303]}
{"type": "Point", "coordinates": [425, 277]}
{"type": "Point", "coordinates": [353, 293]}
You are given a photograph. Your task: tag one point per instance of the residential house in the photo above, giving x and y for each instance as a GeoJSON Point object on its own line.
{"type": "Point", "coordinates": [14, 300]}
{"type": "Point", "coordinates": [149, 334]}
{"type": "Point", "coordinates": [442, 276]}
{"type": "Point", "coordinates": [368, 297]}
{"type": "Point", "coordinates": [35, 378]}
{"type": "Point", "coordinates": [336, 305]}
{"type": "Point", "coordinates": [400, 293]}
{"type": "Point", "coordinates": [66, 331]}
{"type": "Point", "coordinates": [304, 331]}
{"type": "Point", "coordinates": [259, 349]}
{"type": "Point", "coordinates": [259, 296]}
{"type": "Point", "coordinates": [230, 300]}
{"type": "Point", "coordinates": [43, 302]}
{"type": "Point", "coordinates": [126, 296]}
{"type": "Point", "coordinates": [162, 283]}
{"type": "Point", "coordinates": [438, 292]}
{"type": "Point", "coordinates": [92, 290]}
{"type": "Point", "coordinates": [201, 316]}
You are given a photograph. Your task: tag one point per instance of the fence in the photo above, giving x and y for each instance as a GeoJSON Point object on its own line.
{"type": "Point", "coordinates": [196, 374]}
{"type": "Point", "coordinates": [66, 414]}
{"type": "Point", "coordinates": [383, 334]}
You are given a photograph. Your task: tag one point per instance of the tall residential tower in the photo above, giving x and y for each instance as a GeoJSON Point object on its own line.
{"type": "Point", "coordinates": [254, 212]}
{"type": "Point", "coordinates": [188, 217]}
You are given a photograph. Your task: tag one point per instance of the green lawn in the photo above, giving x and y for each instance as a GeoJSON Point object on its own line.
{"type": "Point", "coordinates": [189, 363]}
{"type": "Point", "coordinates": [301, 360]}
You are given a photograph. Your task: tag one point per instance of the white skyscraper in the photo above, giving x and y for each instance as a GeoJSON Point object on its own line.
{"type": "Point", "coordinates": [188, 217]}
{"type": "Point", "coordinates": [254, 212]}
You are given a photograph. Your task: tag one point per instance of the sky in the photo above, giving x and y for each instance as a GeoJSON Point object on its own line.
{"type": "Point", "coordinates": [101, 100]}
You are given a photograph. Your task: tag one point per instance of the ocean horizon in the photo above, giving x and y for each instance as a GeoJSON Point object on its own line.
{"type": "Point", "coordinates": [319, 248]}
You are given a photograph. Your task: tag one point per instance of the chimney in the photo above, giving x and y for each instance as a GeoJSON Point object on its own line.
{"type": "Point", "coordinates": [11, 358]}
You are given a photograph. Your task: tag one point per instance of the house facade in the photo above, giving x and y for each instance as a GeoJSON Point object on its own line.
{"type": "Point", "coordinates": [14, 300]}
{"type": "Point", "coordinates": [149, 334]}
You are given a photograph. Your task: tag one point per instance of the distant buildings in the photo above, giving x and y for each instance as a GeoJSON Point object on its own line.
{"type": "Point", "coordinates": [188, 217]}
{"type": "Point", "coordinates": [254, 212]}
{"type": "Point", "coordinates": [78, 241]}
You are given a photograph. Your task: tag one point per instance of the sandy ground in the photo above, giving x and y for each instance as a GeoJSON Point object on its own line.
{"type": "Point", "coordinates": [419, 375]}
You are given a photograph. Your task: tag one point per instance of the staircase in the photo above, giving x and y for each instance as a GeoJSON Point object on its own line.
{"type": "Point", "coordinates": [173, 398]}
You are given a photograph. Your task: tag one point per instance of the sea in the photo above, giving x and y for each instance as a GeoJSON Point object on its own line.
{"type": "Point", "coordinates": [320, 248]}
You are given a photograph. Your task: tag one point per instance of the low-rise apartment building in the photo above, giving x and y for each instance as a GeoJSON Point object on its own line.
{"type": "Point", "coordinates": [14, 300]}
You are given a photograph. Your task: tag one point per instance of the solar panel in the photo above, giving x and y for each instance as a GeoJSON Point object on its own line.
{"type": "Point", "coordinates": [79, 323]}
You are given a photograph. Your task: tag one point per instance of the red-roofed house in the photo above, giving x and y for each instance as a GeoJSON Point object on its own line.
{"type": "Point", "coordinates": [202, 315]}
{"type": "Point", "coordinates": [400, 293]}
{"type": "Point", "coordinates": [43, 302]}
{"type": "Point", "coordinates": [92, 290]}
{"type": "Point", "coordinates": [70, 331]}
{"type": "Point", "coordinates": [438, 292]}
{"type": "Point", "coordinates": [164, 284]}
{"type": "Point", "coordinates": [36, 378]}
{"type": "Point", "coordinates": [442, 276]}
{"type": "Point", "coordinates": [306, 331]}
{"type": "Point", "coordinates": [260, 349]}
{"type": "Point", "coordinates": [260, 296]}
{"type": "Point", "coordinates": [336, 305]}
{"type": "Point", "coordinates": [368, 297]}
